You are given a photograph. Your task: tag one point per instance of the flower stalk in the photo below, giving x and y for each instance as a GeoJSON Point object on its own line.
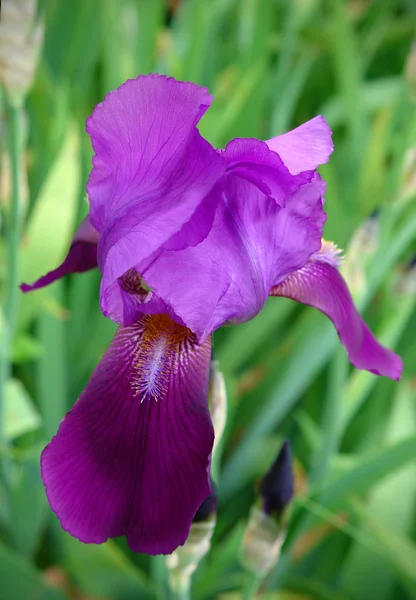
{"type": "Point", "coordinates": [183, 562]}
{"type": "Point", "coordinates": [13, 231]}
{"type": "Point", "coordinates": [20, 41]}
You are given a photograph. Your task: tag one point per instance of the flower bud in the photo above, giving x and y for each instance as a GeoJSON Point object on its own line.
{"type": "Point", "coordinates": [408, 187]}
{"type": "Point", "coordinates": [262, 542]}
{"type": "Point", "coordinates": [185, 559]}
{"type": "Point", "coordinates": [217, 401]}
{"type": "Point", "coordinates": [410, 71]}
{"type": "Point", "coordinates": [276, 489]}
{"type": "Point", "coordinates": [407, 282]}
{"type": "Point", "coordinates": [20, 40]}
{"type": "Point", "coordinates": [266, 527]}
{"type": "Point", "coordinates": [208, 507]}
{"type": "Point", "coordinates": [362, 247]}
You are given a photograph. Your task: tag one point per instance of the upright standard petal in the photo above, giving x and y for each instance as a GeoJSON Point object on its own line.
{"type": "Point", "coordinates": [253, 160]}
{"type": "Point", "coordinates": [319, 284]}
{"type": "Point", "coordinates": [124, 299]}
{"type": "Point", "coordinates": [132, 456]}
{"type": "Point", "coordinates": [252, 244]}
{"type": "Point", "coordinates": [81, 257]}
{"type": "Point", "coordinates": [306, 147]}
{"type": "Point", "coordinates": [151, 168]}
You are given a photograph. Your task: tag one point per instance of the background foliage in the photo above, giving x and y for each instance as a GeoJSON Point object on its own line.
{"type": "Point", "coordinates": [271, 64]}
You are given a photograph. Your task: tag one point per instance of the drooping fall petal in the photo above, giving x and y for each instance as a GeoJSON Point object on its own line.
{"type": "Point", "coordinates": [320, 284]}
{"type": "Point", "coordinates": [81, 257]}
{"type": "Point", "coordinates": [132, 456]}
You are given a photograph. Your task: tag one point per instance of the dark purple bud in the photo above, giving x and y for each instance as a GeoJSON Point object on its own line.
{"type": "Point", "coordinates": [277, 487]}
{"type": "Point", "coordinates": [375, 214]}
{"type": "Point", "coordinates": [208, 507]}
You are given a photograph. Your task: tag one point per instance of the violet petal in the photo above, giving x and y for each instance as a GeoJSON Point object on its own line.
{"type": "Point", "coordinates": [151, 170]}
{"type": "Point", "coordinates": [319, 284]}
{"type": "Point", "coordinates": [306, 147]}
{"type": "Point", "coordinates": [132, 456]}
{"type": "Point", "coordinates": [253, 160]}
{"type": "Point", "coordinates": [253, 244]}
{"type": "Point", "coordinates": [81, 257]}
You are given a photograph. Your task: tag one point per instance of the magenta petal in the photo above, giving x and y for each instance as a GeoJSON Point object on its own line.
{"type": "Point", "coordinates": [253, 244]}
{"type": "Point", "coordinates": [126, 303]}
{"type": "Point", "coordinates": [319, 284]}
{"type": "Point", "coordinates": [81, 257]}
{"type": "Point", "coordinates": [152, 169]}
{"type": "Point", "coordinates": [140, 133]}
{"type": "Point", "coordinates": [253, 160]}
{"type": "Point", "coordinates": [306, 147]}
{"type": "Point", "coordinates": [132, 456]}
{"type": "Point", "coordinates": [150, 161]}
{"type": "Point", "coordinates": [123, 304]}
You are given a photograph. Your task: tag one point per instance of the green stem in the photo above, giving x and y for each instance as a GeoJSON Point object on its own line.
{"type": "Point", "coordinates": [184, 590]}
{"type": "Point", "coordinates": [180, 585]}
{"type": "Point", "coordinates": [12, 264]}
{"type": "Point", "coordinates": [252, 587]}
{"type": "Point", "coordinates": [332, 416]}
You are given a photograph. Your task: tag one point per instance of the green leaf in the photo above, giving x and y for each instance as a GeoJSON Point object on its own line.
{"type": "Point", "coordinates": [369, 471]}
{"type": "Point", "coordinates": [51, 225]}
{"type": "Point", "coordinates": [28, 519]}
{"type": "Point", "coordinates": [391, 503]}
{"type": "Point", "coordinates": [399, 552]}
{"type": "Point", "coordinates": [307, 359]}
{"type": "Point", "coordinates": [104, 570]}
{"type": "Point", "coordinates": [51, 368]}
{"type": "Point", "coordinates": [209, 574]}
{"type": "Point", "coordinates": [20, 581]}
{"type": "Point", "coordinates": [25, 348]}
{"type": "Point", "coordinates": [20, 413]}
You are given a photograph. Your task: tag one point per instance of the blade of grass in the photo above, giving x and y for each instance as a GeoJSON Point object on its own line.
{"type": "Point", "coordinates": [51, 376]}
{"type": "Point", "coordinates": [385, 505]}
{"type": "Point", "coordinates": [13, 266]}
{"type": "Point", "coordinates": [20, 580]}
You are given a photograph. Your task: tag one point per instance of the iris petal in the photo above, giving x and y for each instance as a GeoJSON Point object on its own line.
{"type": "Point", "coordinates": [124, 307]}
{"type": "Point", "coordinates": [132, 456]}
{"type": "Point", "coordinates": [253, 244]}
{"type": "Point", "coordinates": [253, 160]}
{"type": "Point", "coordinates": [306, 147]}
{"type": "Point", "coordinates": [151, 170]}
{"type": "Point", "coordinates": [319, 284]}
{"type": "Point", "coordinates": [81, 257]}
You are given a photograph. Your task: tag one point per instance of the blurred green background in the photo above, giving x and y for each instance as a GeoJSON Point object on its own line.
{"type": "Point", "coordinates": [270, 64]}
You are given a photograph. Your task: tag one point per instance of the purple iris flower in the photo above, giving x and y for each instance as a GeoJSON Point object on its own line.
{"type": "Point", "coordinates": [187, 238]}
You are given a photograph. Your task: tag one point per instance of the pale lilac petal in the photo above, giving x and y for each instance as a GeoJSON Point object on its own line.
{"type": "Point", "coordinates": [132, 456]}
{"type": "Point", "coordinates": [251, 159]}
{"type": "Point", "coordinates": [306, 147]}
{"type": "Point", "coordinates": [253, 244]}
{"type": "Point", "coordinates": [319, 284]}
{"type": "Point", "coordinates": [81, 257]}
